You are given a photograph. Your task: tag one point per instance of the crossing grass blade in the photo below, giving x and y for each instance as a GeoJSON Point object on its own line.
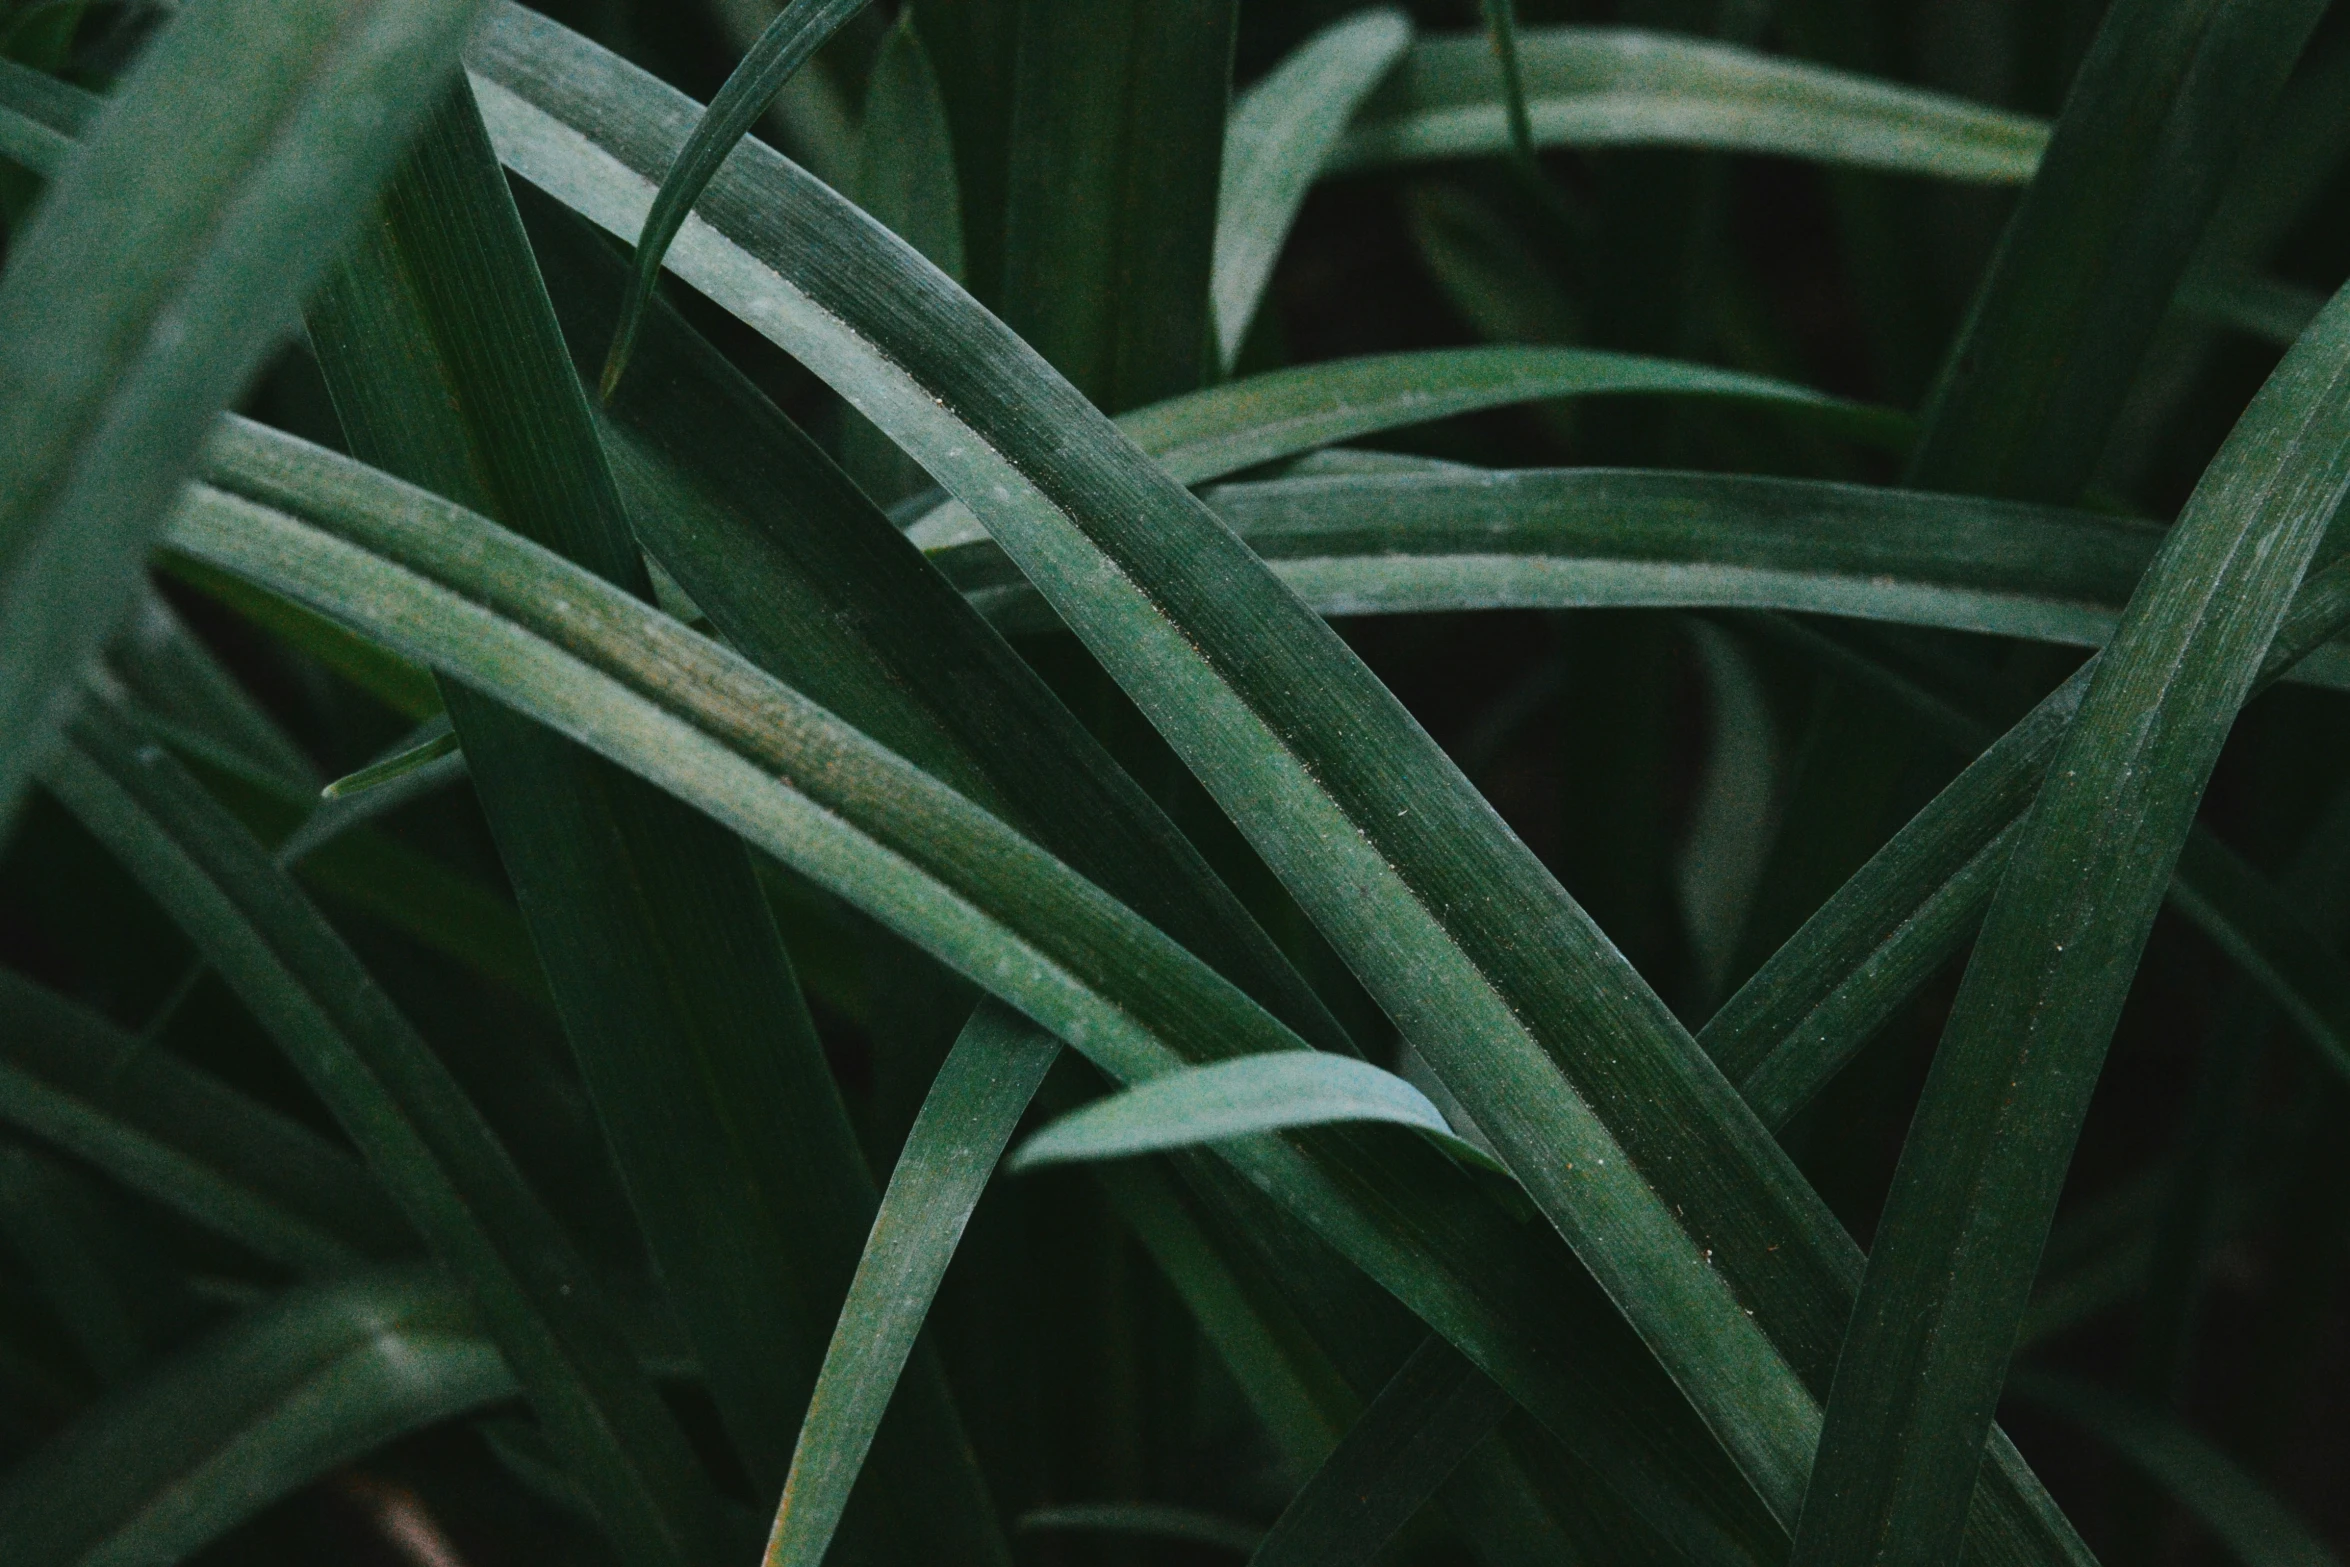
{"type": "Point", "coordinates": [425, 1141]}
{"type": "Point", "coordinates": [1282, 132]}
{"type": "Point", "coordinates": [1207, 1104]}
{"type": "Point", "coordinates": [1623, 87]}
{"type": "Point", "coordinates": [611, 672]}
{"type": "Point", "coordinates": [1452, 540]}
{"type": "Point", "coordinates": [148, 288]}
{"type": "Point", "coordinates": [320, 1376]}
{"type": "Point", "coordinates": [1090, 518]}
{"type": "Point", "coordinates": [2240, 1512]}
{"type": "Point", "coordinates": [790, 41]}
{"type": "Point", "coordinates": [681, 1007]}
{"type": "Point", "coordinates": [1262, 418]}
{"type": "Point", "coordinates": [1424, 1422]}
{"type": "Point", "coordinates": [2163, 106]}
{"type": "Point", "coordinates": [982, 1090]}
{"type": "Point", "coordinates": [1920, 1369]}
{"type": "Point", "coordinates": [182, 1138]}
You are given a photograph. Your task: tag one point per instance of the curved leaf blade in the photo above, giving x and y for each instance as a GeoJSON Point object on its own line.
{"type": "Point", "coordinates": [148, 287]}
{"type": "Point", "coordinates": [981, 1091]}
{"type": "Point", "coordinates": [1240, 1098]}
{"type": "Point", "coordinates": [798, 31]}
{"type": "Point", "coordinates": [1920, 1369]}
{"type": "Point", "coordinates": [1281, 134]}
{"type": "Point", "coordinates": [1619, 87]}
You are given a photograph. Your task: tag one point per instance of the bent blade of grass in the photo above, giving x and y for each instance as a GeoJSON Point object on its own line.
{"type": "Point", "coordinates": [1224, 429]}
{"type": "Point", "coordinates": [981, 1091]}
{"type": "Point", "coordinates": [798, 31]}
{"type": "Point", "coordinates": [147, 288]}
{"type": "Point", "coordinates": [319, 1377]}
{"type": "Point", "coordinates": [2162, 107]}
{"type": "Point", "coordinates": [616, 675]}
{"type": "Point", "coordinates": [1406, 1444]}
{"type": "Point", "coordinates": [2248, 1518]}
{"type": "Point", "coordinates": [1345, 796]}
{"type": "Point", "coordinates": [1950, 1274]}
{"type": "Point", "coordinates": [181, 1137]}
{"type": "Point", "coordinates": [425, 1141]}
{"type": "Point", "coordinates": [1281, 134]}
{"type": "Point", "coordinates": [1207, 1104]}
{"type": "Point", "coordinates": [1621, 87]}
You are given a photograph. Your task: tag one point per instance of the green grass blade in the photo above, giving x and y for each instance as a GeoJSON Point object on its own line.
{"type": "Point", "coordinates": [182, 1138]}
{"type": "Point", "coordinates": [2242, 1514]}
{"type": "Point", "coordinates": [612, 673]}
{"type": "Point", "coordinates": [1424, 1422]}
{"type": "Point", "coordinates": [992, 1072]}
{"type": "Point", "coordinates": [1093, 519]}
{"type": "Point", "coordinates": [1225, 429]}
{"type": "Point", "coordinates": [447, 365]}
{"type": "Point", "coordinates": [1621, 87]}
{"type": "Point", "coordinates": [1282, 132]}
{"type": "Point", "coordinates": [321, 1376]}
{"type": "Point", "coordinates": [2164, 104]}
{"type": "Point", "coordinates": [1921, 1368]}
{"type": "Point", "coordinates": [798, 31]}
{"type": "Point", "coordinates": [439, 744]}
{"type": "Point", "coordinates": [1593, 538]}
{"type": "Point", "coordinates": [1207, 1104]}
{"type": "Point", "coordinates": [1117, 131]}
{"type": "Point", "coordinates": [148, 287]}
{"type": "Point", "coordinates": [169, 671]}
{"type": "Point", "coordinates": [424, 1140]}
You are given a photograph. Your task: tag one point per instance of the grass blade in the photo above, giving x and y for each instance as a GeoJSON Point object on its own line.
{"type": "Point", "coordinates": [447, 364]}
{"type": "Point", "coordinates": [181, 1137]}
{"type": "Point", "coordinates": [295, 1389]}
{"type": "Point", "coordinates": [1253, 1094]}
{"type": "Point", "coordinates": [1920, 1370]}
{"type": "Point", "coordinates": [1093, 516]}
{"type": "Point", "coordinates": [1622, 87]}
{"type": "Point", "coordinates": [424, 1140]}
{"type": "Point", "coordinates": [439, 744]}
{"type": "Point", "coordinates": [1424, 1422]}
{"type": "Point", "coordinates": [2241, 1513]}
{"type": "Point", "coordinates": [147, 289]}
{"type": "Point", "coordinates": [1281, 134]}
{"type": "Point", "coordinates": [1225, 429]}
{"type": "Point", "coordinates": [798, 31]}
{"type": "Point", "coordinates": [1143, 1519]}
{"type": "Point", "coordinates": [992, 1072]}
{"type": "Point", "coordinates": [2163, 105]}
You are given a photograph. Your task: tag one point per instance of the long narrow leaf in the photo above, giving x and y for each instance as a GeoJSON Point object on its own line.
{"type": "Point", "coordinates": [990, 1075]}
{"type": "Point", "coordinates": [798, 31]}
{"type": "Point", "coordinates": [150, 285]}
{"type": "Point", "coordinates": [1920, 1370]}
{"type": "Point", "coordinates": [1615, 87]}
{"type": "Point", "coordinates": [1282, 132]}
